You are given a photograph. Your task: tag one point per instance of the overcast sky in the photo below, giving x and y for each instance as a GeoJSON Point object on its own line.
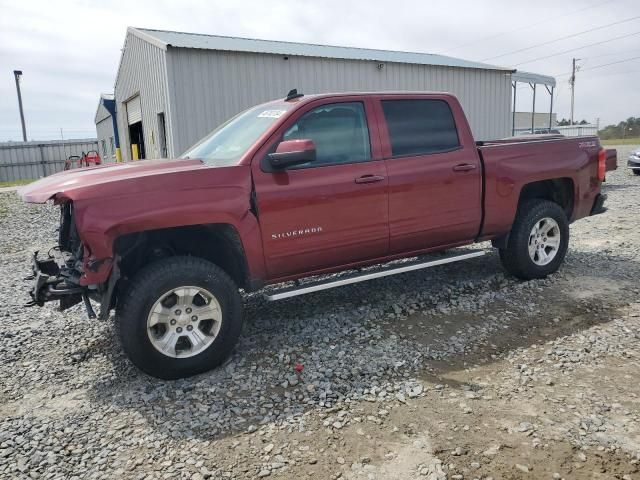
{"type": "Point", "coordinates": [69, 50]}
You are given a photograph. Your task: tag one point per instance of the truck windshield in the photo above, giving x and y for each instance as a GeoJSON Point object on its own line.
{"type": "Point", "coordinates": [230, 141]}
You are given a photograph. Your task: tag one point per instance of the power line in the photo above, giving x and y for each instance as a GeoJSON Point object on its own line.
{"type": "Point", "coordinates": [578, 48]}
{"type": "Point", "coordinates": [525, 27]}
{"type": "Point", "coordinates": [609, 74]}
{"type": "Point", "coordinates": [562, 38]}
{"type": "Point", "coordinates": [611, 63]}
{"type": "Point", "coordinates": [600, 66]}
{"type": "Point", "coordinates": [557, 92]}
{"type": "Point", "coordinates": [610, 54]}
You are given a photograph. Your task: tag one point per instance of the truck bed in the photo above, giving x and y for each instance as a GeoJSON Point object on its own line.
{"type": "Point", "coordinates": [511, 163]}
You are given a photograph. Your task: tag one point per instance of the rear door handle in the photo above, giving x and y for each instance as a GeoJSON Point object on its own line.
{"type": "Point", "coordinates": [369, 179]}
{"type": "Point", "coordinates": [464, 167]}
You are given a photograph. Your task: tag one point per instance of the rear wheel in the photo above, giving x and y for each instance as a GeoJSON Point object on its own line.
{"type": "Point", "coordinates": [538, 240]}
{"type": "Point", "coordinates": [182, 316]}
{"type": "Point", "coordinates": [636, 172]}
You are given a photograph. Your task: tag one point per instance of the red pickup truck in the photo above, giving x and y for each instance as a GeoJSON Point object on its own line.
{"type": "Point", "coordinates": [293, 189]}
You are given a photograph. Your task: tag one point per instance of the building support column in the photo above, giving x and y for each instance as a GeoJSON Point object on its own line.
{"type": "Point", "coordinates": [550, 90]}
{"type": "Point", "coordinates": [533, 108]}
{"type": "Point", "coordinates": [513, 114]}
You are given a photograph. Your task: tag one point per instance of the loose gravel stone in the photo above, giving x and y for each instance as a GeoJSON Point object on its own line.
{"type": "Point", "coordinates": [72, 406]}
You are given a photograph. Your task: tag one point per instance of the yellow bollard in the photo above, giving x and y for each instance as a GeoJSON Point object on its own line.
{"type": "Point", "coordinates": [134, 151]}
{"type": "Point", "coordinates": [118, 155]}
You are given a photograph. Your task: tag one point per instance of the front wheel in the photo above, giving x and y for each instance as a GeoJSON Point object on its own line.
{"type": "Point", "coordinates": [538, 241]}
{"type": "Point", "coordinates": [636, 172]}
{"type": "Point", "coordinates": [182, 316]}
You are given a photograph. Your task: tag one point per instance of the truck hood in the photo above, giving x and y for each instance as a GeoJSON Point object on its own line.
{"type": "Point", "coordinates": [64, 184]}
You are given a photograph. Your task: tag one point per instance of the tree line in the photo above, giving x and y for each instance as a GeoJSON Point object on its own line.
{"type": "Point", "coordinates": [628, 128]}
{"type": "Point", "coordinates": [565, 123]}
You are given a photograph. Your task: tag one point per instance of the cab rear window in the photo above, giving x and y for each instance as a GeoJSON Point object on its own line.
{"type": "Point", "coordinates": [420, 127]}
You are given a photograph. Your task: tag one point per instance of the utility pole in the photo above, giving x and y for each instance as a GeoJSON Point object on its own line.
{"type": "Point", "coordinates": [17, 74]}
{"type": "Point", "coordinates": [572, 82]}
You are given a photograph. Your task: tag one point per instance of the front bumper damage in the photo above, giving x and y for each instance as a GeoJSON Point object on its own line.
{"type": "Point", "coordinates": [57, 278]}
{"type": "Point", "coordinates": [66, 272]}
{"type": "Point", "coordinates": [56, 275]}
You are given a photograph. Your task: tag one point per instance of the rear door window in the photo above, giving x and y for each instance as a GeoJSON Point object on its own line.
{"type": "Point", "coordinates": [420, 127]}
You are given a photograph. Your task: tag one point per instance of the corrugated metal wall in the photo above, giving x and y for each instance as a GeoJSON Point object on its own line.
{"type": "Point", "coordinates": [142, 71]}
{"type": "Point", "coordinates": [101, 112]}
{"type": "Point", "coordinates": [541, 119]}
{"type": "Point", "coordinates": [208, 87]}
{"type": "Point", "coordinates": [104, 129]}
{"type": "Point", "coordinates": [31, 160]}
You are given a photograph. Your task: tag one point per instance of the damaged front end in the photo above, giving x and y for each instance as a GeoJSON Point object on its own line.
{"type": "Point", "coordinates": [57, 277]}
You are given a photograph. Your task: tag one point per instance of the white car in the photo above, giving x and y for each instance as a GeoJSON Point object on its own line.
{"type": "Point", "coordinates": [634, 162]}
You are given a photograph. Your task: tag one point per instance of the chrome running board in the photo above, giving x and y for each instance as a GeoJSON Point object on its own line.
{"type": "Point", "coordinates": [364, 276]}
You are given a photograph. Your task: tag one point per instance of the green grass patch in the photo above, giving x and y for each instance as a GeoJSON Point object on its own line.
{"type": "Point", "coordinates": [621, 141]}
{"type": "Point", "coordinates": [16, 183]}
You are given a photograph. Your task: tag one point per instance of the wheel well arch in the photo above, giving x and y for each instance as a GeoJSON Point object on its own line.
{"type": "Point", "coordinates": [557, 190]}
{"type": "Point", "coordinates": [219, 243]}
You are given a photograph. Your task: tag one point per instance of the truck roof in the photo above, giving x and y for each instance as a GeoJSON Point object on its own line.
{"type": "Point", "coordinates": [315, 96]}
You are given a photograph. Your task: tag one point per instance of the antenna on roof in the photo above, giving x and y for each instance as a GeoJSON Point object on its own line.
{"type": "Point", "coordinates": [293, 94]}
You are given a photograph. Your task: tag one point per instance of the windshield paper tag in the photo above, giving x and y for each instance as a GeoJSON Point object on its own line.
{"type": "Point", "coordinates": [271, 114]}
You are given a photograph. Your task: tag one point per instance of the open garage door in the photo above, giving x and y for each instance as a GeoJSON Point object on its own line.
{"type": "Point", "coordinates": [134, 119]}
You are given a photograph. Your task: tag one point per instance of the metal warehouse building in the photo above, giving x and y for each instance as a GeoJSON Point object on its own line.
{"type": "Point", "coordinates": [173, 88]}
{"type": "Point", "coordinates": [107, 128]}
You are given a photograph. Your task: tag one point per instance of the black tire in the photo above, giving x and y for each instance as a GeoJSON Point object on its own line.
{"type": "Point", "coordinates": [515, 258]}
{"type": "Point", "coordinates": [148, 286]}
{"type": "Point", "coordinates": [636, 172]}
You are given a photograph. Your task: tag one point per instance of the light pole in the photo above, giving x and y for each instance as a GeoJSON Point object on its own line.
{"type": "Point", "coordinates": [17, 74]}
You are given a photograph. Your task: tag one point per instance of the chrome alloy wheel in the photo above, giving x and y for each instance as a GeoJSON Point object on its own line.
{"type": "Point", "coordinates": [544, 241]}
{"type": "Point", "coordinates": [184, 322]}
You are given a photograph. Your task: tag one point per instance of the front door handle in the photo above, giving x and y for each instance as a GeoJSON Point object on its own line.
{"type": "Point", "coordinates": [464, 167]}
{"type": "Point", "coordinates": [369, 179]}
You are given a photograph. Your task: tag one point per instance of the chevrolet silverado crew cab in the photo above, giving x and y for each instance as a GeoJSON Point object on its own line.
{"type": "Point", "coordinates": [298, 188]}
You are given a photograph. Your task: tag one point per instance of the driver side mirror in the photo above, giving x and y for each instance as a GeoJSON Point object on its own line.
{"type": "Point", "coordinates": [292, 152]}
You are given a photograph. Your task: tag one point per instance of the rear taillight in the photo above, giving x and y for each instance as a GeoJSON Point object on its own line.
{"type": "Point", "coordinates": [602, 164]}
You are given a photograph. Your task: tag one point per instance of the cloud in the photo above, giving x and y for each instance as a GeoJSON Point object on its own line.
{"type": "Point", "coordinates": [69, 50]}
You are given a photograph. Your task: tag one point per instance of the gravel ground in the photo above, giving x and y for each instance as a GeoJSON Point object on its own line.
{"type": "Point", "coordinates": [450, 373]}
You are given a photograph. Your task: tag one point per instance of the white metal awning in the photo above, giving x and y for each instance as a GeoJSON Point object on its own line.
{"type": "Point", "coordinates": [528, 77]}
{"type": "Point", "coordinates": [533, 79]}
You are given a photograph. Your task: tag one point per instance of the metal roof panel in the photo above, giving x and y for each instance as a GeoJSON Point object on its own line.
{"type": "Point", "coordinates": [217, 42]}
{"type": "Point", "coordinates": [529, 77]}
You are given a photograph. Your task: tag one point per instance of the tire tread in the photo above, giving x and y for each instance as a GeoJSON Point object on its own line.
{"type": "Point", "coordinates": [133, 300]}
{"type": "Point", "coordinates": [515, 258]}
